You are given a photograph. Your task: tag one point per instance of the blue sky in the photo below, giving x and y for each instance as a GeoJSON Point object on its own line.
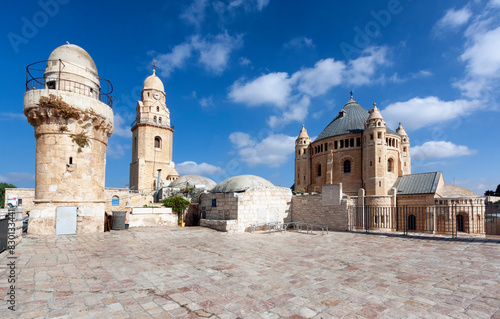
{"type": "Point", "coordinates": [242, 76]}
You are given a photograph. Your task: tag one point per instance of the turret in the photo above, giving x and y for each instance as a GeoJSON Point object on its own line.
{"type": "Point", "coordinates": [72, 120]}
{"type": "Point", "coordinates": [404, 151]}
{"type": "Point", "coordinates": [302, 169]}
{"type": "Point", "coordinates": [374, 154]}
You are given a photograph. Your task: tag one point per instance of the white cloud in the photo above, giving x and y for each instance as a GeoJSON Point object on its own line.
{"type": "Point", "coordinates": [244, 61]}
{"type": "Point", "coordinates": [121, 127]}
{"type": "Point", "coordinates": [299, 42]}
{"type": "Point", "coordinates": [362, 69]}
{"type": "Point", "coordinates": [213, 53]}
{"type": "Point", "coordinates": [291, 95]}
{"type": "Point", "coordinates": [195, 13]}
{"type": "Point", "coordinates": [293, 112]}
{"type": "Point", "coordinates": [323, 76]}
{"type": "Point", "coordinates": [453, 19]}
{"type": "Point", "coordinates": [192, 168]}
{"type": "Point", "coordinates": [206, 101]}
{"type": "Point", "coordinates": [495, 3]}
{"type": "Point", "coordinates": [117, 151]}
{"type": "Point", "coordinates": [273, 151]}
{"type": "Point", "coordinates": [418, 75]}
{"type": "Point", "coordinates": [482, 57]}
{"type": "Point", "coordinates": [272, 88]}
{"type": "Point", "coordinates": [261, 4]}
{"type": "Point", "coordinates": [439, 149]}
{"type": "Point", "coordinates": [7, 116]}
{"type": "Point", "coordinates": [420, 112]}
{"type": "Point", "coordinates": [175, 59]}
{"type": "Point", "coordinates": [240, 140]}
{"type": "Point", "coordinates": [16, 177]}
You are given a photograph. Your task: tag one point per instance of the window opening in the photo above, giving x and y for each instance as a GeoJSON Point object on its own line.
{"type": "Point", "coordinates": [347, 166]}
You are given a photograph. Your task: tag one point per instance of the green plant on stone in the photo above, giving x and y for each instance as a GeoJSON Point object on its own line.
{"type": "Point", "coordinates": [178, 205]}
{"type": "Point", "coordinates": [81, 139]}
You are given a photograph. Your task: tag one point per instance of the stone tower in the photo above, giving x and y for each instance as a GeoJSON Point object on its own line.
{"type": "Point", "coordinates": [152, 139]}
{"type": "Point", "coordinates": [405, 151]}
{"type": "Point", "coordinates": [302, 166]}
{"type": "Point", "coordinates": [72, 118]}
{"type": "Point", "coordinates": [375, 164]}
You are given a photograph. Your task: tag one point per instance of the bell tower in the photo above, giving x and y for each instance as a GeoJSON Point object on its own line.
{"type": "Point", "coordinates": [152, 135]}
{"type": "Point", "coordinates": [302, 167]}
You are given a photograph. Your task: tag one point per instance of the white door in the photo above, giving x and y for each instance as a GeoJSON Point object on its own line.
{"type": "Point", "coordinates": [66, 220]}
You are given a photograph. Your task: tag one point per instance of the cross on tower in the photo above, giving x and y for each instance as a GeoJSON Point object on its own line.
{"type": "Point", "coordinates": [154, 64]}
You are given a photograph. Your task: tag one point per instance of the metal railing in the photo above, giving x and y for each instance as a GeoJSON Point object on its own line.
{"type": "Point", "coordinates": [492, 219]}
{"type": "Point", "coordinates": [36, 81]}
{"type": "Point", "coordinates": [450, 220]}
{"type": "Point", "coordinates": [146, 120]}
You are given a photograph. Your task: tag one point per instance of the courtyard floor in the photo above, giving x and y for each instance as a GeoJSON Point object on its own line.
{"type": "Point", "coordinates": [200, 273]}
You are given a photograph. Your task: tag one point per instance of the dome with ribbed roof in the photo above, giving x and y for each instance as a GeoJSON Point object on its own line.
{"type": "Point", "coordinates": [241, 183]}
{"type": "Point", "coordinates": [351, 119]}
{"type": "Point", "coordinates": [153, 82]}
{"type": "Point", "coordinates": [74, 54]}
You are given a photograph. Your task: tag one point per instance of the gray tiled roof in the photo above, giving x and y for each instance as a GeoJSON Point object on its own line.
{"type": "Point", "coordinates": [351, 119]}
{"type": "Point", "coordinates": [424, 183]}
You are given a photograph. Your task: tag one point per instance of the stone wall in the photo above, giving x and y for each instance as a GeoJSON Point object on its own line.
{"type": "Point", "coordinates": [256, 205]}
{"type": "Point", "coordinates": [151, 217]}
{"type": "Point", "coordinates": [327, 208]}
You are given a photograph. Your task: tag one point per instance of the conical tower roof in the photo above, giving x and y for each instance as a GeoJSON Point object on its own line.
{"type": "Point", "coordinates": [375, 113]}
{"type": "Point", "coordinates": [303, 133]}
{"type": "Point", "coordinates": [401, 130]}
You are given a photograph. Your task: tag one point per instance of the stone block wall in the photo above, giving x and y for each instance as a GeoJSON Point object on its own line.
{"type": "Point", "coordinates": [314, 208]}
{"type": "Point", "coordinates": [256, 205]}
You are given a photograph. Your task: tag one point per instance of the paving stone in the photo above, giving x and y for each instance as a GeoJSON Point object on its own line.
{"type": "Point", "coordinates": [200, 273]}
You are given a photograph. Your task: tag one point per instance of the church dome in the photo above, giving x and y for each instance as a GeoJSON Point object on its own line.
{"type": "Point", "coordinates": [192, 181]}
{"type": "Point", "coordinates": [74, 54]}
{"type": "Point", "coordinates": [350, 119]}
{"type": "Point", "coordinates": [241, 183]}
{"type": "Point", "coordinates": [153, 82]}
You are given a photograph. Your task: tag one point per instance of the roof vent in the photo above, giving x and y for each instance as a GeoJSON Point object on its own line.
{"type": "Point", "coordinates": [342, 113]}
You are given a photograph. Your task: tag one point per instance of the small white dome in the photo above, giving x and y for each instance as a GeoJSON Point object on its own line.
{"type": "Point", "coordinates": [74, 54]}
{"type": "Point", "coordinates": [241, 183]}
{"type": "Point", "coordinates": [153, 82]}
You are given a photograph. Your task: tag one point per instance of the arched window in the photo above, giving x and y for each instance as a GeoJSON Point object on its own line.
{"type": "Point", "coordinates": [347, 166]}
{"type": "Point", "coordinates": [390, 165]}
{"type": "Point", "coordinates": [157, 109]}
{"type": "Point", "coordinates": [159, 120]}
{"type": "Point", "coordinates": [115, 201]}
{"type": "Point", "coordinates": [157, 142]}
{"type": "Point", "coordinates": [319, 170]}
{"type": "Point", "coordinates": [154, 119]}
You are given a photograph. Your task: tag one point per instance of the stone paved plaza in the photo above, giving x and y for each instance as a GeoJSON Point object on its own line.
{"type": "Point", "coordinates": [198, 272]}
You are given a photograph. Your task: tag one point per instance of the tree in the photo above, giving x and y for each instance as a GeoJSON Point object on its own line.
{"type": "Point", "coordinates": [178, 204]}
{"type": "Point", "coordinates": [3, 186]}
{"type": "Point", "coordinates": [493, 193]}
